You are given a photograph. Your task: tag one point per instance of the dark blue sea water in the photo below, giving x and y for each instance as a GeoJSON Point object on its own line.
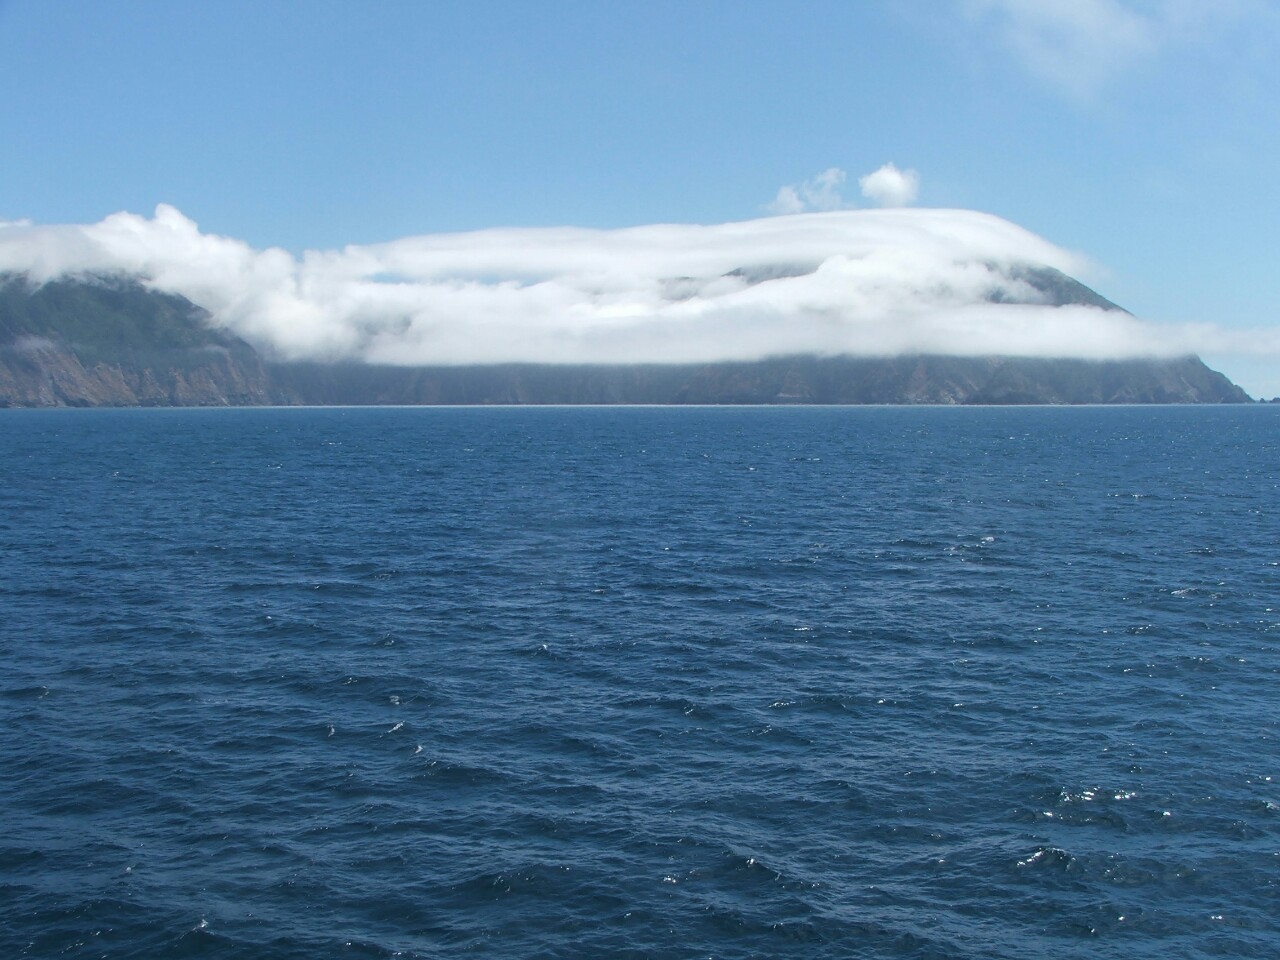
{"type": "Point", "coordinates": [685, 683]}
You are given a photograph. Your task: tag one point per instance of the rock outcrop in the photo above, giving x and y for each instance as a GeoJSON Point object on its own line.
{"type": "Point", "coordinates": [109, 341]}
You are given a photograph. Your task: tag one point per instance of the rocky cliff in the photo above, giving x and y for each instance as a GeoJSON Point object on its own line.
{"type": "Point", "coordinates": [112, 342]}
{"type": "Point", "coordinates": [786, 380]}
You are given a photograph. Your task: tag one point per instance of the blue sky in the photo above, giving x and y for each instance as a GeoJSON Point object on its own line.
{"type": "Point", "coordinates": [1144, 135]}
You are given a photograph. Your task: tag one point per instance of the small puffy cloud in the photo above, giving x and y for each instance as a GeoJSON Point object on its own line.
{"type": "Point", "coordinates": [856, 282]}
{"type": "Point", "coordinates": [818, 194]}
{"type": "Point", "coordinates": [890, 187]}
{"type": "Point", "coordinates": [787, 201]}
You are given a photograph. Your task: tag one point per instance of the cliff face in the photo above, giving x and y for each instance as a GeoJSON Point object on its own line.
{"type": "Point", "coordinates": [787, 380]}
{"type": "Point", "coordinates": [113, 342]}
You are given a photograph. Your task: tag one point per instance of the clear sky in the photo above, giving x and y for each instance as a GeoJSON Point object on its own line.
{"type": "Point", "coordinates": [1144, 134]}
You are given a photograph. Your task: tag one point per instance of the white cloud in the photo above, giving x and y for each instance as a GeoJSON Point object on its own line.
{"type": "Point", "coordinates": [1075, 45]}
{"type": "Point", "coordinates": [820, 193]}
{"type": "Point", "coordinates": [886, 187]}
{"type": "Point", "coordinates": [890, 187]}
{"type": "Point", "coordinates": [1081, 46]}
{"type": "Point", "coordinates": [862, 282]}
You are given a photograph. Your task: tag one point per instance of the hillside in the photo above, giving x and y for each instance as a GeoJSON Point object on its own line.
{"type": "Point", "coordinates": [113, 342]}
{"type": "Point", "coordinates": [785, 380]}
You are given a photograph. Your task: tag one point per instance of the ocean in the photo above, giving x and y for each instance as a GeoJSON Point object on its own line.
{"type": "Point", "coordinates": [640, 682]}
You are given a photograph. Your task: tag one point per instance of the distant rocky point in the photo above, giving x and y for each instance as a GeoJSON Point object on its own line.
{"type": "Point", "coordinates": [112, 342]}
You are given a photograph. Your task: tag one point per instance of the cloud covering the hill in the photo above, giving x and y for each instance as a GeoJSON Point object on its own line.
{"type": "Point", "coordinates": [861, 282]}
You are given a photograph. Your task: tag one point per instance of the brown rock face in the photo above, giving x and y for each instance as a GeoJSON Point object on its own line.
{"type": "Point", "coordinates": [110, 342]}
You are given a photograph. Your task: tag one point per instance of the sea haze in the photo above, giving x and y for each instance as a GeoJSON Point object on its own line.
{"type": "Point", "coordinates": [640, 682]}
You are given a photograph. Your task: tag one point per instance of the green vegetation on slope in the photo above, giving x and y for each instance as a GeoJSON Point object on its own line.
{"type": "Point", "coordinates": [110, 341]}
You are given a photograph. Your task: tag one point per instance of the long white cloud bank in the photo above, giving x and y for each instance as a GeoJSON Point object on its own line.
{"type": "Point", "coordinates": [861, 282]}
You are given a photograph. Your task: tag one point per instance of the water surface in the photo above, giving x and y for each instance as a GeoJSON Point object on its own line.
{"type": "Point", "coordinates": [786, 683]}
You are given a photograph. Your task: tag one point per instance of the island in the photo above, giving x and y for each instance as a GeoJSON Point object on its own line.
{"type": "Point", "coordinates": [112, 341]}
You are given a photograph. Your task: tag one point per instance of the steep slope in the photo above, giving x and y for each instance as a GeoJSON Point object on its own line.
{"type": "Point", "coordinates": [109, 341]}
